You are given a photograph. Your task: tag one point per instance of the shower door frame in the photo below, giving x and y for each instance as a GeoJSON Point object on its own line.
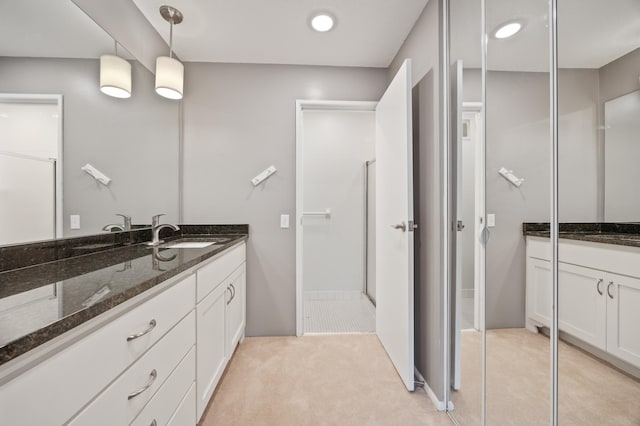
{"type": "Point", "coordinates": [303, 104]}
{"type": "Point", "coordinates": [48, 100]}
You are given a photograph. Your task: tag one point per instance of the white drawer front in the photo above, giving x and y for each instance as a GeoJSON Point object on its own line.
{"type": "Point", "coordinates": [212, 275]}
{"type": "Point", "coordinates": [170, 396]}
{"type": "Point", "coordinates": [185, 415]}
{"type": "Point", "coordinates": [117, 405]}
{"type": "Point", "coordinates": [68, 380]}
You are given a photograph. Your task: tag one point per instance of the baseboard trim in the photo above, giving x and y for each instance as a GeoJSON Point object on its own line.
{"type": "Point", "coordinates": [440, 405]}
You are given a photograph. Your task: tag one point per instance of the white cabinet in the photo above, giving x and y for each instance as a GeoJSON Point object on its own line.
{"type": "Point", "coordinates": [121, 402]}
{"type": "Point", "coordinates": [582, 303]}
{"type": "Point", "coordinates": [538, 299]}
{"type": "Point", "coordinates": [159, 362]}
{"type": "Point", "coordinates": [597, 303]}
{"type": "Point", "coordinates": [623, 317]}
{"type": "Point", "coordinates": [236, 310]}
{"type": "Point", "coordinates": [69, 379]}
{"type": "Point", "coordinates": [220, 320]}
{"type": "Point", "coordinates": [212, 356]}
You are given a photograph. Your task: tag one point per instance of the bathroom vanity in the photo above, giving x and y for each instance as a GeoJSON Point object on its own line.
{"type": "Point", "coordinates": [599, 288]}
{"type": "Point", "coordinates": [140, 335]}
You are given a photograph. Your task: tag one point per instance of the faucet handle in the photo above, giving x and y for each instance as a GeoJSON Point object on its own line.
{"type": "Point", "coordinates": [155, 220]}
{"type": "Point", "coordinates": [127, 221]}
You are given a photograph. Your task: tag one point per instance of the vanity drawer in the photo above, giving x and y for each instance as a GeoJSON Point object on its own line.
{"type": "Point", "coordinates": [170, 397]}
{"type": "Point", "coordinates": [186, 412]}
{"type": "Point", "coordinates": [212, 275]}
{"type": "Point", "coordinates": [121, 402]}
{"type": "Point", "coordinates": [67, 381]}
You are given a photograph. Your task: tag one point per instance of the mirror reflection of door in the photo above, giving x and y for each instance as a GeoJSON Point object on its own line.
{"type": "Point", "coordinates": [30, 199]}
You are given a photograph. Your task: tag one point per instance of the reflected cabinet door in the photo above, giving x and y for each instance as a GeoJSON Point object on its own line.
{"type": "Point", "coordinates": [582, 303]}
{"type": "Point", "coordinates": [623, 317]}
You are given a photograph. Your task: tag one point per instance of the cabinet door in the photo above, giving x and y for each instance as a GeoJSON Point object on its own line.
{"type": "Point", "coordinates": [210, 344]}
{"type": "Point", "coordinates": [582, 303]}
{"type": "Point", "coordinates": [236, 310]}
{"type": "Point", "coordinates": [538, 292]}
{"type": "Point", "coordinates": [623, 317]}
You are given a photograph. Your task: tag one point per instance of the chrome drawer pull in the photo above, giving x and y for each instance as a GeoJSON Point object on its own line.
{"type": "Point", "coordinates": [598, 286]}
{"type": "Point", "coordinates": [153, 377]}
{"type": "Point", "coordinates": [154, 423]}
{"type": "Point", "coordinates": [152, 325]}
{"type": "Point", "coordinates": [608, 289]}
{"type": "Point", "coordinates": [233, 289]}
{"type": "Point", "coordinates": [230, 295]}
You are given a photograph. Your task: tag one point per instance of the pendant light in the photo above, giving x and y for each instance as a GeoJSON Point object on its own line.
{"type": "Point", "coordinates": [115, 75]}
{"type": "Point", "coordinates": [169, 71]}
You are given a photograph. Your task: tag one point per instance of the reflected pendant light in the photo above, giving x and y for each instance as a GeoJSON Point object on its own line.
{"type": "Point", "coordinates": [169, 71]}
{"type": "Point", "coordinates": [115, 76]}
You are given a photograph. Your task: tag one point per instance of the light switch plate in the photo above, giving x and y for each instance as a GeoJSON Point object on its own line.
{"type": "Point", "coordinates": [491, 220]}
{"type": "Point", "coordinates": [284, 221]}
{"type": "Point", "coordinates": [74, 221]}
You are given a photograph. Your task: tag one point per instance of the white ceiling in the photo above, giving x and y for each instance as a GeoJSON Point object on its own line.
{"type": "Point", "coordinates": [591, 33]}
{"type": "Point", "coordinates": [51, 29]}
{"type": "Point", "coordinates": [368, 33]}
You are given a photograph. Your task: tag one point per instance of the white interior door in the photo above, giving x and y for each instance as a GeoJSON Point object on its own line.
{"type": "Point", "coordinates": [394, 224]}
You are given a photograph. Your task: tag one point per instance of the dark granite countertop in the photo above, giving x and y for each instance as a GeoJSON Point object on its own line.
{"type": "Point", "coordinates": [625, 234]}
{"type": "Point", "coordinates": [41, 301]}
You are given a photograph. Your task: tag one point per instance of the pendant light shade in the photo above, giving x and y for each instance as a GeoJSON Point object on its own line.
{"type": "Point", "coordinates": [115, 76]}
{"type": "Point", "coordinates": [169, 77]}
{"type": "Point", "coordinates": [170, 71]}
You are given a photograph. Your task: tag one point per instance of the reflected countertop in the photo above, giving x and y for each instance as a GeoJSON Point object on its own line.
{"type": "Point", "coordinates": [625, 234]}
{"type": "Point", "coordinates": [42, 301]}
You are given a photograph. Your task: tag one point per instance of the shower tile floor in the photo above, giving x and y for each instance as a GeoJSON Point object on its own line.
{"type": "Point", "coordinates": [356, 315]}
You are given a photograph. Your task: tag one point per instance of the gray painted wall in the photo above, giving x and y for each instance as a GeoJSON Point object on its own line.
{"type": "Point", "coordinates": [238, 120]}
{"type": "Point", "coordinates": [133, 141]}
{"type": "Point", "coordinates": [422, 46]}
{"type": "Point", "coordinates": [518, 138]}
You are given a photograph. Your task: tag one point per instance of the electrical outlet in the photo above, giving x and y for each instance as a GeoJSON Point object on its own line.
{"type": "Point", "coordinates": [74, 221]}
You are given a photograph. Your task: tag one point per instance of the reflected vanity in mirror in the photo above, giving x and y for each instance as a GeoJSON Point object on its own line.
{"type": "Point", "coordinates": [55, 123]}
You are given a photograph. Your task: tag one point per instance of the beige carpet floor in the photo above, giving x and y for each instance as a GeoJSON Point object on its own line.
{"type": "Point", "coordinates": [591, 392]}
{"type": "Point", "coordinates": [316, 380]}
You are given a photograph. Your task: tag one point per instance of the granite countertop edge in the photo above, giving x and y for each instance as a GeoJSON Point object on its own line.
{"type": "Point", "coordinates": [621, 234]}
{"type": "Point", "coordinates": [36, 338]}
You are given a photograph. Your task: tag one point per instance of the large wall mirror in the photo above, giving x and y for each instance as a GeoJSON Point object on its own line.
{"type": "Point", "coordinates": [54, 120]}
{"type": "Point", "coordinates": [502, 370]}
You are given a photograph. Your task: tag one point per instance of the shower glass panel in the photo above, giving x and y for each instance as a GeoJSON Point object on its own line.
{"type": "Point", "coordinates": [598, 273]}
{"type": "Point", "coordinates": [518, 191]}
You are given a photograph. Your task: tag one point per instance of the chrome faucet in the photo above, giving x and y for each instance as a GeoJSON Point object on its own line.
{"type": "Point", "coordinates": [156, 227]}
{"type": "Point", "coordinates": [115, 226]}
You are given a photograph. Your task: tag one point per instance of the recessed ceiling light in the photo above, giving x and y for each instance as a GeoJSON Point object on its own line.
{"type": "Point", "coordinates": [322, 22]}
{"type": "Point", "coordinates": [507, 30]}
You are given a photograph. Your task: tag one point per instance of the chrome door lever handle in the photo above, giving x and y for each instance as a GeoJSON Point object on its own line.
{"type": "Point", "coordinates": [402, 226]}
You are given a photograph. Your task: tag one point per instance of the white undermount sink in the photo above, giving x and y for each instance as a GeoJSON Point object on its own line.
{"type": "Point", "coordinates": [190, 244]}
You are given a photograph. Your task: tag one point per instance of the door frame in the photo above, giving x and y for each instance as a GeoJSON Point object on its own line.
{"type": "Point", "coordinates": [49, 100]}
{"type": "Point", "coordinates": [479, 219]}
{"type": "Point", "coordinates": [301, 105]}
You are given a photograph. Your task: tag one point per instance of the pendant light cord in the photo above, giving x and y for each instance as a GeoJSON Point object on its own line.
{"type": "Point", "coordinates": [171, 13]}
